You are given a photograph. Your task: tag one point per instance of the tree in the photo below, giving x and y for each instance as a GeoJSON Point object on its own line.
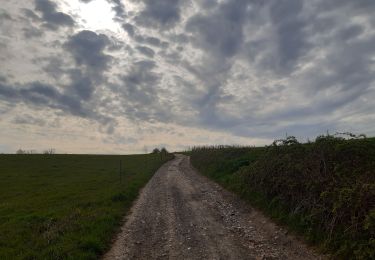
{"type": "Point", "coordinates": [49, 151]}
{"type": "Point", "coordinates": [156, 150]}
{"type": "Point", "coordinates": [20, 151]}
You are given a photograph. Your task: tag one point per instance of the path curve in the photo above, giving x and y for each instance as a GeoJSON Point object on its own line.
{"type": "Point", "coordinates": [181, 214]}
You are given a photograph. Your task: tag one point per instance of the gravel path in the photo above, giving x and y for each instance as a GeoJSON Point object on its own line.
{"type": "Point", "coordinates": [183, 215]}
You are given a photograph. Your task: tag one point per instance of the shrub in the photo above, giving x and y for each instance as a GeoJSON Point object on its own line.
{"type": "Point", "coordinates": [324, 189]}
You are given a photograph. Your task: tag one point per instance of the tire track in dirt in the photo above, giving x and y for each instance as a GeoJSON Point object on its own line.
{"type": "Point", "coordinates": [183, 215]}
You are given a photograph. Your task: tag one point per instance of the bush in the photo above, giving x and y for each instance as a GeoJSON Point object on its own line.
{"type": "Point", "coordinates": [324, 189]}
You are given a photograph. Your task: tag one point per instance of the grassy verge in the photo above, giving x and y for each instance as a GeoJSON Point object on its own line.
{"type": "Point", "coordinates": [66, 206]}
{"type": "Point", "coordinates": [324, 190]}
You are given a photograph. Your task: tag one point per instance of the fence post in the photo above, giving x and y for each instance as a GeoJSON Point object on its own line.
{"type": "Point", "coordinates": [120, 171]}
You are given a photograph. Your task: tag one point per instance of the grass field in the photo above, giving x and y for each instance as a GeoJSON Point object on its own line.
{"type": "Point", "coordinates": [324, 190]}
{"type": "Point", "coordinates": [66, 206]}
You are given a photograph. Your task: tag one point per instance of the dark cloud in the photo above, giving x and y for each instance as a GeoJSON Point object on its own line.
{"type": "Point", "coordinates": [350, 32]}
{"type": "Point", "coordinates": [283, 39]}
{"type": "Point", "coordinates": [291, 39]}
{"type": "Point", "coordinates": [129, 28]}
{"type": "Point", "coordinates": [208, 4]}
{"type": "Point", "coordinates": [142, 39]}
{"type": "Point", "coordinates": [142, 94]}
{"type": "Point", "coordinates": [119, 9]}
{"type": "Point", "coordinates": [6, 91]}
{"type": "Point", "coordinates": [82, 84]}
{"type": "Point", "coordinates": [347, 57]}
{"type": "Point", "coordinates": [52, 18]}
{"type": "Point", "coordinates": [153, 41]}
{"type": "Point", "coordinates": [352, 65]}
{"type": "Point", "coordinates": [141, 75]}
{"type": "Point", "coordinates": [53, 66]}
{"type": "Point", "coordinates": [210, 114]}
{"type": "Point", "coordinates": [363, 6]}
{"type": "Point", "coordinates": [146, 51]}
{"type": "Point", "coordinates": [161, 13]}
{"type": "Point", "coordinates": [32, 31]}
{"type": "Point", "coordinates": [84, 77]}
{"type": "Point", "coordinates": [220, 32]}
{"type": "Point", "coordinates": [77, 82]}
{"type": "Point", "coordinates": [30, 14]}
{"type": "Point", "coordinates": [220, 35]}
{"type": "Point", "coordinates": [3, 78]}
{"type": "Point", "coordinates": [87, 49]}
{"type": "Point", "coordinates": [38, 94]}
{"type": "Point", "coordinates": [30, 19]}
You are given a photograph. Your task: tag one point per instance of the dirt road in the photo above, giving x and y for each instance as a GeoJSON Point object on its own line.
{"type": "Point", "coordinates": [183, 215]}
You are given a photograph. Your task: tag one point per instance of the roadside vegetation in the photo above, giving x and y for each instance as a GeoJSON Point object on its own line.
{"type": "Point", "coordinates": [67, 206]}
{"type": "Point", "coordinates": [324, 190]}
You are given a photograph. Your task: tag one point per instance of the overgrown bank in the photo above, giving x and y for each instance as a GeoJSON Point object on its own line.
{"type": "Point", "coordinates": [67, 206]}
{"type": "Point", "coordinates": [324, 190]}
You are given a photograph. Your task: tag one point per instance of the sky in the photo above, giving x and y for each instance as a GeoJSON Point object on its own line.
{"type": "Point", "coordinates": [125, 76]}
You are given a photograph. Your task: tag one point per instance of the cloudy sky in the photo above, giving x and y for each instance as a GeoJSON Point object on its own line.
{"type": "Point", "coordinates": [123, 76]}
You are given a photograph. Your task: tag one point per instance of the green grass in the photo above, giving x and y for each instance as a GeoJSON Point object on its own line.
{"type": "Point", "coordinates": [324, 190]}
{"type": "Point", "coordinates": [66, 206]}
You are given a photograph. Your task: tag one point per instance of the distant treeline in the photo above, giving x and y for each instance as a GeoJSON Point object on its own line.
{"type": "Point", "coordinates": [324, 189]}
{"type": "Point", "coordinates": [163, 150]}
{"type": "Point", "coordinates": [47, 151]}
